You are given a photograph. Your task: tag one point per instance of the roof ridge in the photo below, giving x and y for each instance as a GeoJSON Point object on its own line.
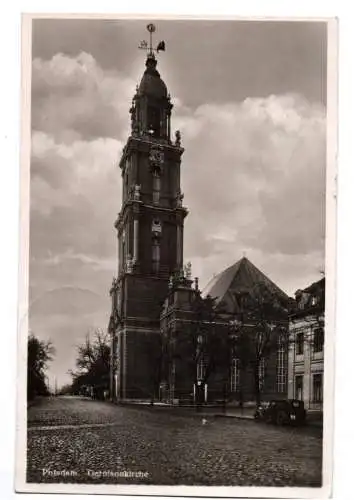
{"type": "Point", "coordinates": [216, 279]}
{"type": "Point", "coordinates": [221, 283]}
{"type": "Point", "coordinates": [266, 277]}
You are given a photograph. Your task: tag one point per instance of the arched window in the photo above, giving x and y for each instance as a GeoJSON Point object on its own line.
{"type": "Point", "coordinates": [155, 255]}
{"type": "Point", "coordinates": [201, 369]}
{"type": "Point", "coordinates": [261, 373]}
{"type": "Point", "coordinates": [123, 249]}
{"type": "Point", "coordinates": [154, 121]}
{"type": "Point", "coordinates": [281, 368]}
{"type": "Point", "coordinates": [156, 187]}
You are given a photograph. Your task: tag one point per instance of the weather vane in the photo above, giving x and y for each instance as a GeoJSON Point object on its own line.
{"type": "Point", "coordinates": [149, 48]}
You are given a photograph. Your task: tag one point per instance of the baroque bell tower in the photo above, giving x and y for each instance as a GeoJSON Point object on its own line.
{"type": "Point", "coordinates": [150, 235]}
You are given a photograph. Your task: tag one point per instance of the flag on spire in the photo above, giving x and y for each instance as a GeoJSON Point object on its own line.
{"type": "Point", "coordinates": [161, 46]}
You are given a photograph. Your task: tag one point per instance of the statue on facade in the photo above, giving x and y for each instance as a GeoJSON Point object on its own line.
{"type": "Point", "coordinates": [178, 138]}
{"type": "Point", "coordinates": [179, 198]}
{"type": "Point", "coordinates": [134, 121]}
{"type": "Point", "coordinates": [188, 271]}
{"type": "Point", "coordinates": [129, 264]}
{"type": "Point", "coordinates": [137, 188]}
{"type": "Point", "coordinates": [180, 274]}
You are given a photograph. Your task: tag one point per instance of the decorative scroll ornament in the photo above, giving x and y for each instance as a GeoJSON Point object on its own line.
{"type": "Point", "coordinates": [156, 227]}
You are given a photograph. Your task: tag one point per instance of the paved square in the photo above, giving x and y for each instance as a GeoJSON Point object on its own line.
{"type": "Point", "coordinates": [83, 441]}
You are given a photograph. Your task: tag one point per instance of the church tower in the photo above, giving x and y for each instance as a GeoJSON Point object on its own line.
{"type": "Point", "coordinates": [150, 235]}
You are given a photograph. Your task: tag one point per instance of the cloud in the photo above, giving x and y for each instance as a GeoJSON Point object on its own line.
{"type": "Point", "coordinates": [75, 195]}
{"type": "Point", "coordinates": [92, 260]}
{"type": "Point", "coordinates": [74, 95]}
{"type": "Point", "coordinates": [256, 172]}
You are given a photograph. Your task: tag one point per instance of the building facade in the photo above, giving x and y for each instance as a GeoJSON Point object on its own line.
{"type": "Point", "coordinates": [306, 347]}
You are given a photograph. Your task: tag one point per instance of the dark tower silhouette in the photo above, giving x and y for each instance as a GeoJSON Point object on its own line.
{"type": "Point", "coordinates": [150, 237]}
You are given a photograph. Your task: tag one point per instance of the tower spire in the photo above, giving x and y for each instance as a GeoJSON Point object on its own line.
{"type": "Point", "coordinates": [151, 29]}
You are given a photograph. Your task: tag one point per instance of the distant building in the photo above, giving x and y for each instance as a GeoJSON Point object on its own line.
{"type": "Point", "coordinates": [306, 347]}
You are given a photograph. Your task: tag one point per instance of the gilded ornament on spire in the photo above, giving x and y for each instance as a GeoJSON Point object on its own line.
{"type": "Point", "coordinates": [161, 46]}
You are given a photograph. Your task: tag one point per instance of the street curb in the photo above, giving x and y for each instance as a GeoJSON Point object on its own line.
{"type": "Point", "coordinates": [239, 417]}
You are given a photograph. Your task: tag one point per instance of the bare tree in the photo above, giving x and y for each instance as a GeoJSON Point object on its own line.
{"type": "Point", "coordinates": [259, 326]}
{"type": "Point", "coordinates": [93, 363]}
{"type": "Point", "coordinates": [202, 345]}
{"type": "Point", "coordinates": [39, 354]}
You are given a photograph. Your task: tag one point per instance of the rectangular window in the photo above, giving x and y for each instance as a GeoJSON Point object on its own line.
{"type": "Point", "coordinates": [281, 368]}
{"type": "Point", "coordinates": [235, 375]}
{"type": "Point", "coordinates": [299, 344]}
{"type": "Point", "coordinates": [317, 388]}
{"type": "Point", "coordinates": [299, 387]}
{"type": "Point", "coordinates": [318, 340]}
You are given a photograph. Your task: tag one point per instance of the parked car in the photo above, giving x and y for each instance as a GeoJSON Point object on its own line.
{"type": "Point", "coordinates": [280, 412]}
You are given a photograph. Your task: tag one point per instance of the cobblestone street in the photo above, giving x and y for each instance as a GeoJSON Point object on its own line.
{"type": "Point", "coordinates": [98, 442]}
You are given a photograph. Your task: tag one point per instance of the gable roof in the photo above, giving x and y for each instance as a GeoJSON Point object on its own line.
{"type": "Point", "coordinates": [316, 287]}
{"type": "Point", "coordinates": [242, 276]}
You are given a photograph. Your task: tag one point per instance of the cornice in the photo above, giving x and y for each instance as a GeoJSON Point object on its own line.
{"type": "Point", "coordinates": [145, 143]}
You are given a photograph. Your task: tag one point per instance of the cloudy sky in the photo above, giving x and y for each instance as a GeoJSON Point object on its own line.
{"type": "Point", "coordinates": [250, 102]}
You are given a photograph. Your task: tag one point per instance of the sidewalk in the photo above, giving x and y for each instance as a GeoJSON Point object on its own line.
{"type": "Point", "coordinates": [202, 411]}
{"type": "Point", "coordinates": [246, 413]}
{"type": "Point", "coordinates": [212, 411]}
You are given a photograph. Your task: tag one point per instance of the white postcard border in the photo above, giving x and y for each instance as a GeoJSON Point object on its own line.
{"type": "Point", "coordinates": [331, 178]}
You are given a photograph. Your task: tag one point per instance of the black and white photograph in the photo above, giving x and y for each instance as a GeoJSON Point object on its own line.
{"type": "Point", "coordinates": [178, 231]}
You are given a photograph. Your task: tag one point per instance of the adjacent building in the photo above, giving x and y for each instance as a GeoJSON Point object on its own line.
{"type": "Point", "coordinates": [306, 346]}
